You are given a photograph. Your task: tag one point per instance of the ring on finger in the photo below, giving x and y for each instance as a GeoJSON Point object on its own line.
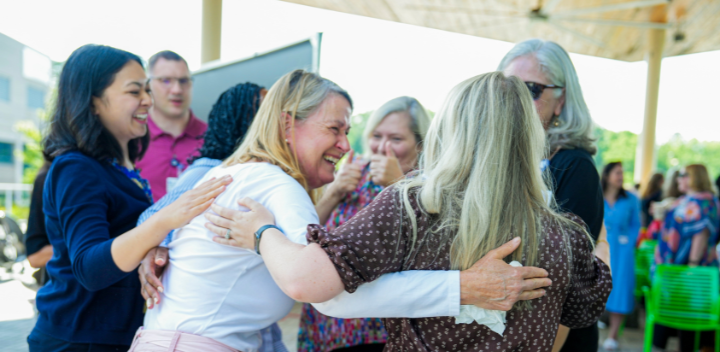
{"type": "Point", "coordinates": [227, 234]}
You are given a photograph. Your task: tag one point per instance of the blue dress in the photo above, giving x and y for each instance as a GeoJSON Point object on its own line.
{"type": "Point", "coordinates": [622, 221]}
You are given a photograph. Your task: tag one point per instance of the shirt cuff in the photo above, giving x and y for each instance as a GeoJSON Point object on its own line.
{"type": "Point", "coordinates": [453, 284]}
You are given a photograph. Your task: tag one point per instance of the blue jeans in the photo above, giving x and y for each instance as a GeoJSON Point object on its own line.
{"type": "Point", "coordinates": [40, 342]}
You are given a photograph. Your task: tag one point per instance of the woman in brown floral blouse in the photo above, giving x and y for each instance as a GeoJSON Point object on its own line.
{"type": "Point", "coordinates": [480, 185]}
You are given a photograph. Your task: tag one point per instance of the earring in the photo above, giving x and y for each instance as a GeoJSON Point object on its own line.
{"type": "Point", "coordinates": [287, 141]}
{"type": "Point", "coordinates": [557, 121]}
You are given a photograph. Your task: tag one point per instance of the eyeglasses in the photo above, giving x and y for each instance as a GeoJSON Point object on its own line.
{"type": "Point", "coordinates": [536, 89]}
{"type": "Point", "coordinates": [170, 81]}
{"type": "Point", "coordinates": [683, 174]}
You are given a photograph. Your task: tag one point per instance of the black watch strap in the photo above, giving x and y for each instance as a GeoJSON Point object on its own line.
{"type": "Point", "coordinates": [258, 235]}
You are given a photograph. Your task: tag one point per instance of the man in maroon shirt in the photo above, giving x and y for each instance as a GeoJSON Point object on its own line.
{"type": "Point", "coordinates": [175, 132]}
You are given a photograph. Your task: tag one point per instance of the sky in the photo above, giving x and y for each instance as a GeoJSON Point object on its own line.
{"type": "Point", "coordinates": [373, 60]}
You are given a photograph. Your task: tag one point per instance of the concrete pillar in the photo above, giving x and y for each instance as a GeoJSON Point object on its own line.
{"type": "Point", "coordinates": [656, 44]}
{"type": "Point", "coordinates": [647, 139]}
{"type": "Point", "coordinates": [211, 30]}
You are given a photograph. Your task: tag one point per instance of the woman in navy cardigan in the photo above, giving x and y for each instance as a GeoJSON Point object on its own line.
{"type": "Point", "coordinates": [92, 199]}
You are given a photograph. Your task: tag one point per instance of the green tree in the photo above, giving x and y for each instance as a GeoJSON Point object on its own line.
{"type": "Point", "coordinates": [616, 146]}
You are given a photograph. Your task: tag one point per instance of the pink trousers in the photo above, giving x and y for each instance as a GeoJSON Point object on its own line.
{"type": "Point", "coordinates": [175, 341]}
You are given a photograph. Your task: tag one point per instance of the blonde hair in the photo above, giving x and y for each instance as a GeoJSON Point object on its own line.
{"type": "Point", "coordinates": [575, 129]}
{"type": "Point", "coordinates": [481, 171]}
{"type": "Point", "coordinates": [419, 119]}
{"type": "Point", "coordinates": [698, 178]}
{"type": "Point", "coordinates": [298, 94]}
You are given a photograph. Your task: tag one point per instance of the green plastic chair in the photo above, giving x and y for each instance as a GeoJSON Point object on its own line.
{"type": "Point", "coordinates": [644, 256]}
{"type": "Point", "coordinates": [684, 298]}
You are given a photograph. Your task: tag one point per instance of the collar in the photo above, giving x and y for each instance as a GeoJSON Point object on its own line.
{"type": "Point", "coordinates": [195, 128]}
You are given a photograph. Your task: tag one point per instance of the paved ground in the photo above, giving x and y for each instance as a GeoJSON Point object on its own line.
{"type": "Point", "coordinates": [17, 318]}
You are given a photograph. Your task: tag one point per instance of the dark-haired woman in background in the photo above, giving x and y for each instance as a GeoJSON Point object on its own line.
{"type": "Point", "coordinates": [650, 193]}
{"type": "Point", "coordinates": [622, 220]}
{"type": "Point", "coordinates": [93, 196]}
{"type": "Point", "coordinates": [228, 122]}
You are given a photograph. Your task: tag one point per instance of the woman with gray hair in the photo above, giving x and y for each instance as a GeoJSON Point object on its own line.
{"type": "Point", "coordinates": [392, 141]}
{"type": "Point", "coordinates": [549, 74]}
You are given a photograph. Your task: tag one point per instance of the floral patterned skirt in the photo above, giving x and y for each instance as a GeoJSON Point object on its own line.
{"type": "Point", "coordinates": [320, 333]}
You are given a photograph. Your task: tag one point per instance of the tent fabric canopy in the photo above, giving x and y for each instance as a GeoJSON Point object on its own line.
{"type": "Point", "coordinates": [613, 29]}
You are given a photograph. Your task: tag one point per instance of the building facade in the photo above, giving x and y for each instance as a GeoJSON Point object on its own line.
{"type": "Point", "coordinates": [24, 84]}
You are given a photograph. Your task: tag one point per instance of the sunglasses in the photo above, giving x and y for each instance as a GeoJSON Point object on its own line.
{"type": "Point", "coordinates": [536, 89]}
{"type": "Point", "coordinates": [684, 174]}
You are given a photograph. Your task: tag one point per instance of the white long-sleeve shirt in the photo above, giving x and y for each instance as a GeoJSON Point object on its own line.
{"type": "Point", "coordinates": [226, 293]}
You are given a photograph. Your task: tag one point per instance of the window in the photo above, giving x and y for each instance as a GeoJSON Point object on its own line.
{"type": "Point", "coordinates": [4, 89]}
{"type": "Point", "coordinates": [35, 98]}
{"type": "Point", "coordinates": [6, 153]}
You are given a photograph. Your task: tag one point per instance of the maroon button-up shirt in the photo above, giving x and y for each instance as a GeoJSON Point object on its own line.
{"type": "Point", "coordinates": [167, 155]}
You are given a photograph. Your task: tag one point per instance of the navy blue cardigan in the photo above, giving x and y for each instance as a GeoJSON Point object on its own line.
{"type": "Point", "coordinates": [87, 203]}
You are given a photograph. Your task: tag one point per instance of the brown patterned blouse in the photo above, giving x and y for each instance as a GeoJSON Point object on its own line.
{"type": "Point", "coordinates": [373, 243]}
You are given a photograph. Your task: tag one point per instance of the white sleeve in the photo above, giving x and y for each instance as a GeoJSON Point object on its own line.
{"type": "Point", "coordinates": [405, 294]}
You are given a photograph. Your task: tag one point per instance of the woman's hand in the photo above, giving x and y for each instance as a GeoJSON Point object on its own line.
{"type": "Point", "coordinates": [151, 269]}
{"type": "Point", "coordinates": [385, 169]}
{"type": "Point", "coordinates": [493, 284]}
{"type": "Point", "coordinates": [239, 226]}
{"type": "Point", "coordinates": [192, 203]}
{"type": "Point", "coordinates": [346, 180]}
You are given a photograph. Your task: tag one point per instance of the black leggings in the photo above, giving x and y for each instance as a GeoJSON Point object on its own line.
{"type": "Point", "coordinates": [661, 334]}
{"type": "Point", "coordinates": [582, 340]}
{"type": "Point", "coordinates": [375, 347]}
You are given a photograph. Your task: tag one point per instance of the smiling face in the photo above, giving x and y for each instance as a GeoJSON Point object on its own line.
{"type": "Point", "coordinates": [321, 140]}
{"type": "Point", "coordinates": [124, 105]}
{"type": "Point", "coordinates": [527, 69]}
{"type": "Point", "coordinates": [171, 88]}
{"type": "Point", "coordinates": [395, 128]}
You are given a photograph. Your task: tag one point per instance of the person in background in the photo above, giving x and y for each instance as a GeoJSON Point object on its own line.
{"type": "Point", "coordinates": [229, 120]}
{"type": "Point", "coordinates": [37, 246]}
{"type": "Point", "coordinates": [669, 193]}
{"type": "Point", "coordinates": [622, 220]}
{"type": "Point", "coordinates": [392, 139]}
{"type": "Point", "coordinates": [549, 74]}
{"type": "Point", "coordinates": [92, 198]}
{"type": "Point", "coordinates": [689, 236]}
{"type": "Point", "coordinates": [175, 132]}
{"type": "Point", "coordinates": [650, 193]}
{"type": "Point", "coordinates": [717, 186]}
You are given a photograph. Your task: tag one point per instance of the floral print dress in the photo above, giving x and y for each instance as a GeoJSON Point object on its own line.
{"type": "Point", "coordinates": [320, 333]}
{"type": "Point", "coordinates": [691, 215]}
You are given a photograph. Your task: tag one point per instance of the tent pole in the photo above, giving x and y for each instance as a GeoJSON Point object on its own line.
{"type": "Point", "coordinates": [647, 139]}
{"type": "Point", "coordinates": [211, 30]}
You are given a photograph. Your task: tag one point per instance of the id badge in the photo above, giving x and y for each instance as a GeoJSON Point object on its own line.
{"type": "Point", "coordinates": [170, 183]}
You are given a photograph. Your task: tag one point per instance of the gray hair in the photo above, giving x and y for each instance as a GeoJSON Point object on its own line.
{"type": "Point", "coordinates": [576, 126]}
{"type": "Point", "coordinates": [419, 119]}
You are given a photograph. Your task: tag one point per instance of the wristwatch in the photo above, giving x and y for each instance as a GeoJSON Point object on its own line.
{"type": "Point", "coordinates": [258, 235]}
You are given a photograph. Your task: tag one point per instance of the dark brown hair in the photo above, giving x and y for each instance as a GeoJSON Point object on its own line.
{"type": "Point", "coordinates": [654, 185]}
{"type": "Point", "coordinates": [606, 174]}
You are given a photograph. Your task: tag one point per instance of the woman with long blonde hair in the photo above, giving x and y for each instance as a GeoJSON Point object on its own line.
{"type": "Point", "coordinates": [480, 185]}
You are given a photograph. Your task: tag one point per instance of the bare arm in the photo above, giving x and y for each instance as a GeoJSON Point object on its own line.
{"type": "Point", "coordinates": [41, 257]}
{"type": "Point", "coordinates": [699, 247]}
{"type": "Point", "coordinates": [305, 273]}
{"type": "Point", "coordinates": [129, 249]}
